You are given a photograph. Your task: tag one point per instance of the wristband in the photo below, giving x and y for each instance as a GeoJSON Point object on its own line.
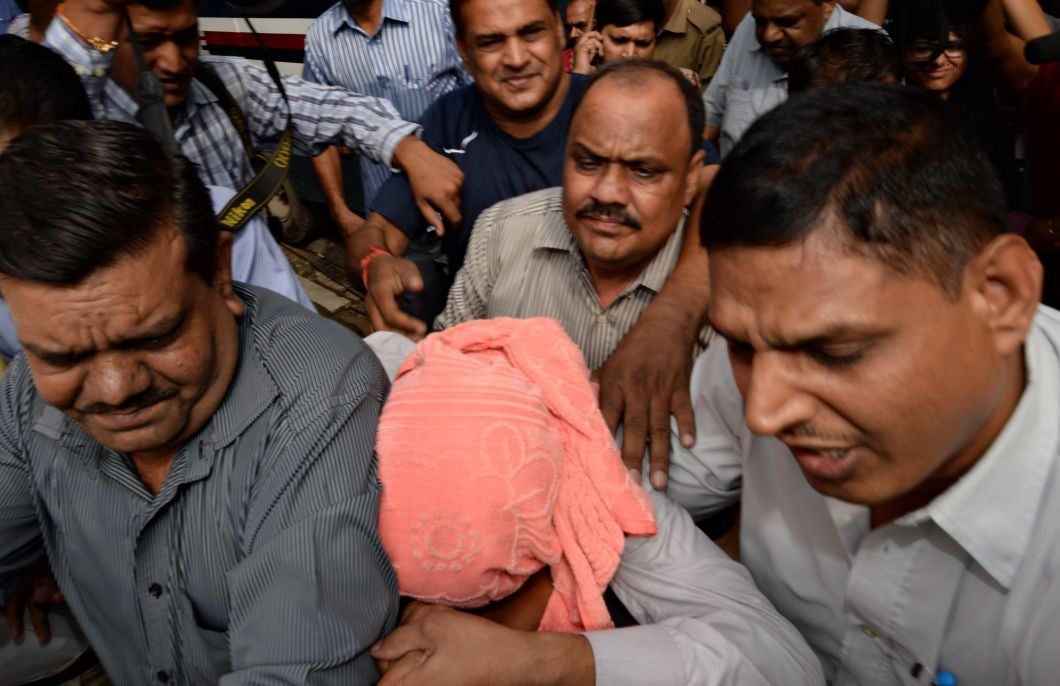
{"type": "Point", "coordinates": [366, 262]}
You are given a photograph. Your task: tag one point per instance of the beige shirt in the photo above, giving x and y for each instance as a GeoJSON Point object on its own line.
{"type": "Point", "coordinates": [522, 261]}
{"type": "Point", "coordinates": [969, 583]}
{"type": "Point", "coordinates": [692, 39]}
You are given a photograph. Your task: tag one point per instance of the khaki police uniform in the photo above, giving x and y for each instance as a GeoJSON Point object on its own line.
{"type": "Point", "coordinates": [692, 39]}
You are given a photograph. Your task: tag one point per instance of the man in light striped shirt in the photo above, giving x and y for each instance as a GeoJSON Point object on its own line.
{"type": "Point", "coordinates": [594, 253]}
{"type": "Point", "coordinates": [401, 51]}
{"type": "Point", "coordinates": [90, 35]}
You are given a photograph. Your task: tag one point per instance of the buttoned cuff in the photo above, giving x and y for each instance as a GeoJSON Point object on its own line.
{"type": "Point", "coordinates": [637, 655]}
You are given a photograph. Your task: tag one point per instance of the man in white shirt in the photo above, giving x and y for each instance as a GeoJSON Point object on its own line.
{"type": "Point", "coordinates": [889, 407]}
{"type": "Point", "coordinates": [753, 76]}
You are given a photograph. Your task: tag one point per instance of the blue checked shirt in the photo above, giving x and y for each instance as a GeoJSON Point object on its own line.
{"type": "Point", "coordinates": [321, 116]}
{"type": "Point", "coordinates": [411, 61]}
{"type": "Point", "coordinates": [258, 560]}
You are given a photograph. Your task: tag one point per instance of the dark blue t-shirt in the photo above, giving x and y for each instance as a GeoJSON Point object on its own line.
{"type": "Point", "coordinates": [496, 165]}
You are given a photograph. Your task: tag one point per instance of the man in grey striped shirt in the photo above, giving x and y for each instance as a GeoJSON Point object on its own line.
{"type": "Point", "coordinates": [194, 457]}
{"type": "Point", "coordinates": [594, 253]}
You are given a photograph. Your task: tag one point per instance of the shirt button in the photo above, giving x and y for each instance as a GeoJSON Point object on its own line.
{"type": "Point", "coordinates": [162, 677]}
{"type": "Point", "coordinates": [156, 591]}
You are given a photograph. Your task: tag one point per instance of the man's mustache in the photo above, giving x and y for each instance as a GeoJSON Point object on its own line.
{"type": "Point", "coordinates": [598, 210]}
{"type": "Point", "coordinates": [811, 431]}
{"type": "Point", "coordinates": [508, 72]}
{"type": "Point", "coordinates": [139, 401]}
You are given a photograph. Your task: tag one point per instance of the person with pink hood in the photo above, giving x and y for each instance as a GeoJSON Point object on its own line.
{"type": "Point", "coordinates": [506, 509]}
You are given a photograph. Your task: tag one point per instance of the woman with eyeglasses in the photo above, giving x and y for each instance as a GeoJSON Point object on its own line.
{"type": "Point", "coordinates": [937, 65]}
{"type": "Point", "coordinates": [936, 59]}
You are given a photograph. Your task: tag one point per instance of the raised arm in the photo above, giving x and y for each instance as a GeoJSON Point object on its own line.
{"type": "Point", "coordinates": [1026, 19]}
{"type": "Point", "coordinates": [1003, 51]}
{"type": "Point", "coordinates": [646, 379]}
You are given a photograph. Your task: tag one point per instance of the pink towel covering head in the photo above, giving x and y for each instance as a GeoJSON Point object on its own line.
{"type": "Point", "coordinates": [495, 461]}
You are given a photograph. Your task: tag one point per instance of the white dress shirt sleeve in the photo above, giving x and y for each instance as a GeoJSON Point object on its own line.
{"type": "Point", "coordinates": [708, 477]}
{"type": "Point", "coordinates": [703, 620]}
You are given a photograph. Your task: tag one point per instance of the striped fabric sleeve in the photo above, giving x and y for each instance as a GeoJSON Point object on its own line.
{"type": "Point", "coordinates": [315, 589]}
{"type": "Point", "coordinates": [20, 536]}
{"type": "Point", "coordinates": [321, 115]}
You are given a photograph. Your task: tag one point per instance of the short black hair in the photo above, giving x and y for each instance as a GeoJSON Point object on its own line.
{"type": "Point", "coordinates": [892, 165]}
{"type": "Point", "coordinates": [628, 12]}
{"type": "Point", "coordinates": [37, 86]}
{"type": "Point", "coordinates": [845, 54]}
{"type": "Point", "coordinates": [635, 71]}
{"type": "Point", "coordinates": [77, 196]}
{"type": "Point", "coordinates": [458, 18]}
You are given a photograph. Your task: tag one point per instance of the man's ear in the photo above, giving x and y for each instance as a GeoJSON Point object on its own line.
{"type": "Point", "coordinates": [561, 30]}
{"type": "Point", "coordinates": [694, 177]}
{"type": "Point", "coordinates": [1006, 282]}
{"type": "Point", "coordinates": [222, 274]}
{"type": "Point", "coordinates": [461, 48]}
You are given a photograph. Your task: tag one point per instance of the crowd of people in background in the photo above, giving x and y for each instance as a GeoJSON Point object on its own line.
{"type": "Point", "coordinates": [714, 343]}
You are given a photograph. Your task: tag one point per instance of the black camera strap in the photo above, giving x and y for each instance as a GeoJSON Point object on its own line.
{"type": "Point", "coordinates": [271, 169]}
{"type": "Point", "coordinates": [149, 97]}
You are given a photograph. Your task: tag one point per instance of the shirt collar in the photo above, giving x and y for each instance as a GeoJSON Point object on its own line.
{"type": "Point", "coordinates": [252, 389]}
{"type": "Point", "coordinates": [659, 269]}
{"type": "Point", "coordinates": [556, 235]}
{"type": "Point", "coordinates": [992, 510]}
{"type": "Point", "coordinates": [678, 23]}
{"type": "Point", "coordinates": [395, 10]}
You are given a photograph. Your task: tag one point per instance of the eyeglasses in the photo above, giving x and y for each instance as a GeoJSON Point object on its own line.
{"type": "Point", "coordinates": [921, 51]}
